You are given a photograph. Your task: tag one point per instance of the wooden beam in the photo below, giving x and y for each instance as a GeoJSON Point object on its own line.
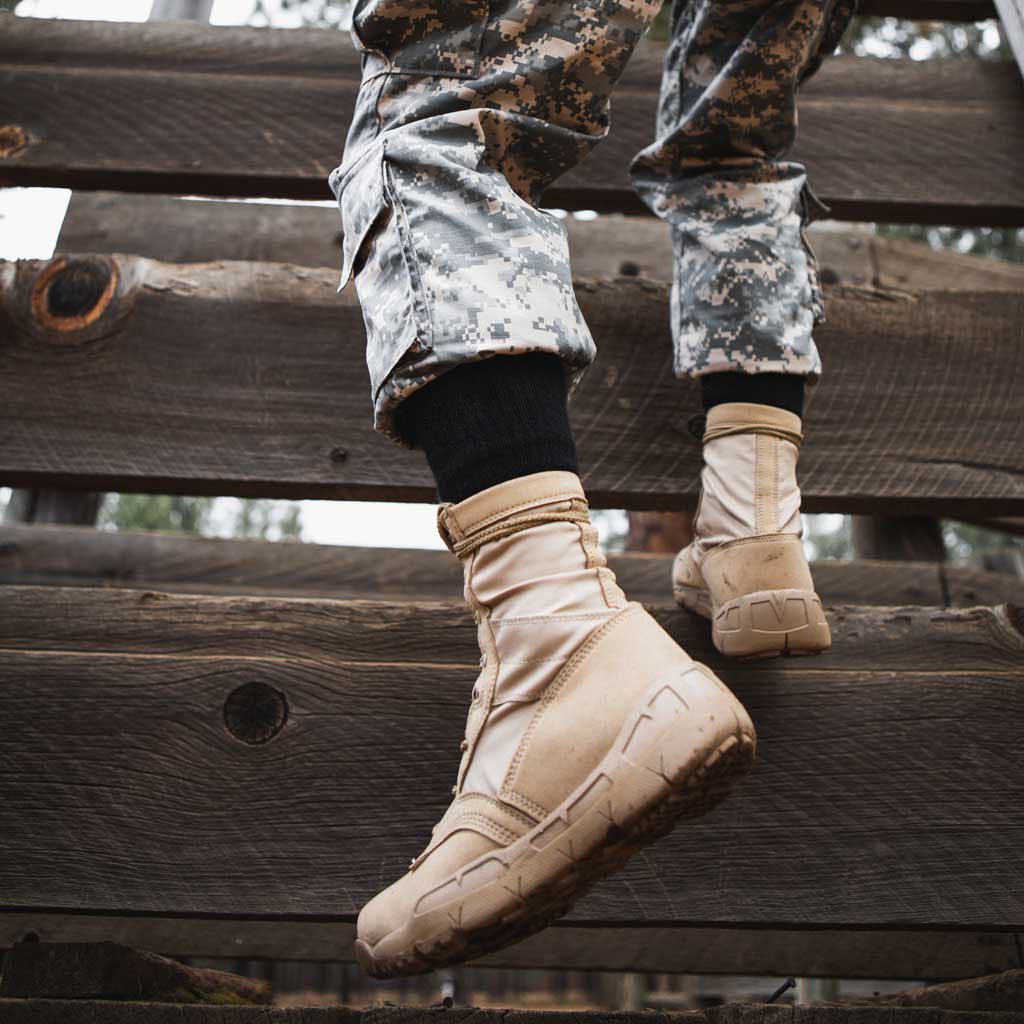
{"type": "Point", "coordinates": [256, 112]}
{"type": "Point", "coordinates": [43, 1011]}
{"type": "Point", "coordinates": [109, 970]}
{"type": "Point", "coordinates": [78, 557]}
{"type": "Point", "coordinates": [1003, 991]}
{"type": "Point", "coordinates": [908, 419]}
{"type": "Point", "coordinates": [888, 792]}
{"type": "Point", "coordinates": [180, 231]}
{"type": "Point", "coordinates": [679, 950]}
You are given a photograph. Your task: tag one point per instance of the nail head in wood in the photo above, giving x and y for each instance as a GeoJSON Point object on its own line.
{"type": "Point", "coordinates": [255, 713]}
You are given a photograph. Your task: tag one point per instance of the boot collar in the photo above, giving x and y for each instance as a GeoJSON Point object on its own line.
{"type": "Point", "coordinates": [510, 507]}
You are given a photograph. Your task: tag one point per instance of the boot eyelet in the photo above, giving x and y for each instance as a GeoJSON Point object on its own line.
{"type": "Point", "coordinates": [464, 746]}
{"type": "Point", "coordinates": [455, 790]}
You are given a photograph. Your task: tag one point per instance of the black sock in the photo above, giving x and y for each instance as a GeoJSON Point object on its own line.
{"type": "Point", "coordinates": [490, 421]}
{"type": "Point", "coordinates": [783, 390]}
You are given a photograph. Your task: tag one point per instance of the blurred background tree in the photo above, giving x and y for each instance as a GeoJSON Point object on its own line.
{"type": "Point", "coordinates": [259, 518]}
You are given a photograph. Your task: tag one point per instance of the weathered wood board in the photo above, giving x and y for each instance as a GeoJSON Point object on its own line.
{"type": "Point", "coordinates": [181, 231]}
{"type": "Point", "coordinates": [43, 1011]}
{"type": "Point", "coordinates": [749, 951]}
{"type": "Point", "coordinates": [71, 556]}
{"type": "Point", "coordinates": [888, 794]}
{"type": "Point", "coordinates": [234, 111]}
{"type": "Point", "coordinates": [249, 379]}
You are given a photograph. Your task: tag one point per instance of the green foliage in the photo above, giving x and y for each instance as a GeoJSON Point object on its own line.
{"type": "Point", "coordinates": [258, 518]}
{"type": "Point", "coordinates": [167, 512]}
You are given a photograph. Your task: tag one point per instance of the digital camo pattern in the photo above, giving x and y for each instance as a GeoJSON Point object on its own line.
{"type": "Point", "coordinates": [745, 293]}
{"type": "Point", "coordinates": [468, 111]}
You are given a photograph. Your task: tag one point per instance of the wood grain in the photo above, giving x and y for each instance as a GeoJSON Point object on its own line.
{"type": "Point", "coordinates": [82, 557]}
{"type": "Point", "coordinates": [888, 792]}
{"type": "Point", "coordinates": [43, 1011]}
{"type": "Point", "coordinates": [256, 112]}
{"type": "Point", "coordinates": [820, 952]}
{"type": "Point", "coordinates": [108, 970]}
{"type": "Point", "coordinates": [249, 379]}
{"type": "Point", "coordinates": [181, 231]}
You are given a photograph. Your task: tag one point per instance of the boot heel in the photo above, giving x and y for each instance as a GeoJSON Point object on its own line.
{"type": "Point", "coordinates": [768, 623]}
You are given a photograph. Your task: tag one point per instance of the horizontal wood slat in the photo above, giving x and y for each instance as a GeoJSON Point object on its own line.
{"type": "Point", "coordinates": [86, 557]}
{"type": "Point", "coordinates": [888, 792]}
{"type": "Point", "coordinates": [61, 1011]}
{"type": "Point", "coordinates": [179, 231]}
{"type": "Point", "coordinates": [682, 950]}
{"type": "Point", "coordinates": [217, 111]}
{"type": "Point", "coordinates": [249, 379]}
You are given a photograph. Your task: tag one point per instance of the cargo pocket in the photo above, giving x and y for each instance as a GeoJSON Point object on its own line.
{"type": "Point", "coordinates": [377, 254]}
{"type": "Point", "coordinates": [447, 44]}
{"type": "Point", "coordinates": [812, 209]}
{"type": "Point", "coordinates": [360, 194]}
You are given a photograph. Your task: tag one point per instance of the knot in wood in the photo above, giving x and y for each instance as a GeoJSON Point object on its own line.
{"type": "Point", "coordinates": [73, 293]}
{"type": "Point", "coordinates": [12, 139]}
{"type": "Point", "coordinates": [255, 713]}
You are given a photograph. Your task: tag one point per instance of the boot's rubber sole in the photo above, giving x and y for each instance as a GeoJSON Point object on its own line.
{"type": "Point", "coordinates": [676, 757]}
{"type": "Point", "coordinates": [765, 624]}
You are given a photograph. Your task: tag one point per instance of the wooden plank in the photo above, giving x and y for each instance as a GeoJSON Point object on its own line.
{"type": "Point", "coordinates": [680, 950]}
{"type": "Point", "coordinates": [256, 112]}
{"type": "Point", "coordinates": [43, 1011]}
{"type": "Point", "coordinates": [179, 231]}
{"type": "Point", "coordinates": [275, 403]}
{"type": "Point", "coordinates": [108, 970]}
{"type": "Point", "coordinates": [1004, 991]}
{"type": "Point", "coordinates": [872, 805]}
{"type": "Point", "coordinates": [79, 557]}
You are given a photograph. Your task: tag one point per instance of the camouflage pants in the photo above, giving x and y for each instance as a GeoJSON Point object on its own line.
{"type": "Point", "coordinates": [469, 109]}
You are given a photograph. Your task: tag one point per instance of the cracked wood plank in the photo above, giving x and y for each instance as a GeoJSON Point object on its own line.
{"type": "Point", "coordinates": [915, 413]}
{"type": "Point", "coordinates": [73, 556]}
{"type": "Point", "coordinates": [872, 804]}
{"type": "Point", "coordinates": [41, 1011]}
{"type": "Point", "coordinates": [257, 112]}
{"type": "Point", "coordinates": [819, 953]}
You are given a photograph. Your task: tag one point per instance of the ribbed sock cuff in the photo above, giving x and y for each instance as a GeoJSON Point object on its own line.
{"type": "Point", "coordinates": [782, 390]}
{"type": "Point", "coordinates": [490, 421]}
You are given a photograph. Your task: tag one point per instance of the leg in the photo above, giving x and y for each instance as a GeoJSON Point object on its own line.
{"type": "Point", "coordinates": [590, 731]}
{"type": "Point", "coordinates": [466, 113]}
{"type": "Point", "coordinates": [745, 293]}
{"type": "Point", "coordinates": [745, 299]}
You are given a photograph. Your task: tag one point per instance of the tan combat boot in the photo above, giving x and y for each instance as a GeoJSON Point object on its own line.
{"type": "Point", "coordinates": [746, 569]}
{"type": "Point", "coordinates": [590, 732]}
